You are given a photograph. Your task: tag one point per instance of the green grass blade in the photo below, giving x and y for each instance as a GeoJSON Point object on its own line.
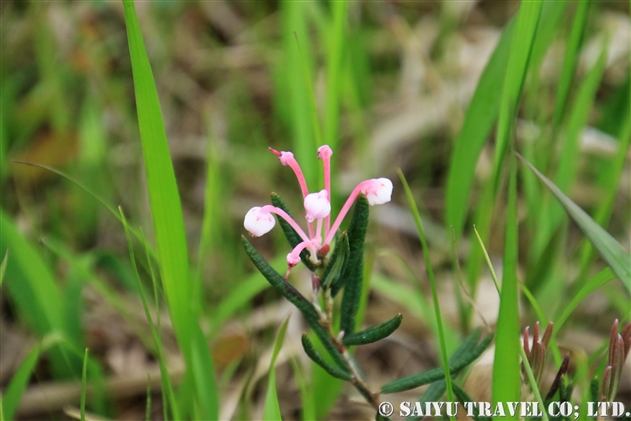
{"type": "Point", "coordinates": [306, 391]}
{"type": "Point", "coordinates": [482, 114]}
{"type": "Point", "coordinates": [84, 384]}
{"type": "Point", "coordinates": [595, 282]}
{"type": "Point", "coordinates": [17, 385]}
{"type": "Point", "coordinates": [432, 282]}
{"type": "Point", "coordinates": [506, 370]}
{"type": "Point", "coordinates": [294, 82]}
{"type": "Point", "coordinates": [477, 125]}
{"type": "Point", "coordinates": [3, 266]}
{"type": "Point", "coordinates": [271, 409]}
{"type": "Point", "coordinates": [552, 215]}
{"type": "Point", "coordinates": [335, 53]}
{"type": "Point", "coordinates": [155, 332]}
{"type": "Point", "coordinates": [168, 222]}
{"type": "Point", "coordinates": [514, 79]}
{"type": "Point", "coordinates": [570, 60]}
{"type": "Point", "coordinates": [610, 250]}
{"type": "Point", "coordinates": [354, 270]}
{"type": "Point", "coordinates": [31, 285]}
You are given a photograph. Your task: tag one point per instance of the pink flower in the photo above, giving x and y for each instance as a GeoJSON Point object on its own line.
{"type": "Point", "coordinates": [258, 223]}
{"type": "Point", "coordinates": [259, 220]}
{"type": "Point", "coordinates": [317, 205]}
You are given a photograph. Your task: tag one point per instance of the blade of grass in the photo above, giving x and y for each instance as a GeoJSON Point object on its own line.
{"type": "Point", "coordinates": [84, 384]}
{"type": "Point", "coordinates": [168, 222]}
{"type": "Point", "coordinates": [271, 409]}
{"type": "Point", "coordinates": [514, 80]}
{"type": "Point", "coordinates": [336, 43]}
{"type": "Point", "coordinates": [482, 114]}
{"type": "Point", "coordinates": [506, 371]}
{"type": "Point", "coordinates": [610, 250]}
{"type": "Point", "coordinates": [157, 339]}
{"type": "Point", "coordinates": [570, 62]}
{"type": "Point", "coordinates": [432, 282]}
{"type": "Point", "coordinates": [522, 354]}
{"type": "Point", "coordinates": [32, 286]}
{"type": "Point", "coordinates": [294, 84]}
{"type": "Point", "coordinates": [12, 394]}
{"type": "Point", "coordinates": [3, 266]}
{"type": "Point", "coordinates": [551, 216]}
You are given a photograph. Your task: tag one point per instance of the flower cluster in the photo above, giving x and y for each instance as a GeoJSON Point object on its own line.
{"type": "Point", "coordinates": [259, 220]}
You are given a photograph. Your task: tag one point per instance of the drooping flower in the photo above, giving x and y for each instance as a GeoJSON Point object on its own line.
{"type": "Point", "coordinates": [317, 205]}
{"type": "Point", "coordinates": [317, 208]}
{"type": "Point", "coordinates": [258, 223]}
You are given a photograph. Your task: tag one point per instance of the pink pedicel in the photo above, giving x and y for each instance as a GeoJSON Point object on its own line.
{"type": "Point", "coordinates": [259, 220]}
{"type": "Point", "coordinates": [324, 154]}
{"type": "Point", "coordinates": [377, 190]}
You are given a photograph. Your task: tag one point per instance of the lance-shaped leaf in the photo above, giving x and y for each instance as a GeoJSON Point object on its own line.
{"type": "Point", "coordinates": [279, 282]}
{"type": "Point", "coordinates": [292, 236]}
{"type": "Point", "coordinates": [436, 390]}
{"type": "Point", "coordinates": [610, 250]}
{"type": "Point", "coordinates": [324, 364]}
{"type": "Point", "coordinates": [353, 273]}
{"type": "Point", "coordinates": [375, 333]}
{"type": "Point", "coordinates": [335, 268]}
{"type": "Point", "coordinates": [430, 376]}
{"type": "Point", "coordinates": [326, 340]}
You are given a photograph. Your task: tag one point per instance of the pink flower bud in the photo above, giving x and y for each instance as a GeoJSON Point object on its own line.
{"type": "Point", "coordinates": [258, 222]}
{"type": "Point", "coordinates": [286, 158]}
{"type": "Point", "coordinates": [293, 259]}
{"type": "Point", "coordinates": [378, 191]}
{"type": "Point", "coordinates": [324, 152]}
{"type": "Point", "coordinates": [317, 205]}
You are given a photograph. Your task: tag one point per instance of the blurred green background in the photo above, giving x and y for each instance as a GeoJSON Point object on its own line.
{"type": "Point", "coordinates": [386, 84]}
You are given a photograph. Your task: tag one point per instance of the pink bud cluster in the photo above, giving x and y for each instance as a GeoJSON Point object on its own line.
{"type": "Point", "coordinates": [259, 220]}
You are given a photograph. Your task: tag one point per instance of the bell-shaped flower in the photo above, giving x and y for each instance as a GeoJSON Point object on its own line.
{"type": "Point", "coordinates": [258, 222]}
{"type": "Point", "coordinates": [378, 191]}
{"type": "Point", "coordinates": [317, 205]}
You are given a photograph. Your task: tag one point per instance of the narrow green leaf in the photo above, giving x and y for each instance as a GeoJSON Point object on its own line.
{"type": "Point", "coordinates": [354, 270]}
{"type": "Point", "coordinates": [430, 376]}
{"type": "Point", "coordinates": [432, 283]}
{"type": "Point", "coordinates": [168, 221]}
{"type": "Point", "coordinates": [13, 393]}
{"type": "Point", "coordinates": [326, 341]}
{"type": "Point", "coordinates": [155, 332]}
{"type": "Point", "coordinates": [3, 266]}
{"type": "Point", "coordinates": [271, 409]}
{"type": "Point", "coordinates": [551, 216]}
{"type": "Point", "coordinates": [324, 364]}
{"type": "Point", "coordinates": [375, 333]}
{"type": "Point", "coordinates": [479, 120]}
{"type": "Point", "coordinates": [570, 60]}
{"type": "Point", "coordinates": [482, 114]}
{"type": "Point", "coordinates": [37, 296]}
{"type": "Point", "coordinates": [279, 282]}
{"type": "Point", "coordinates": [290, 233]}
{"type": "Point", "coordinates": [438, 388]}
{"type": "Point", "coordinates": [84, 384]}
{"type": "Point", "coordinates": [506, 369]}
{"type": "Point", "coordinates": [514, 78]}
{"type": "Point", "coordinates": [610, 250]}
{"type": "Point", "coordinates": [595, 282]}
{"type": "Point", "coordinates": [335, 268]}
